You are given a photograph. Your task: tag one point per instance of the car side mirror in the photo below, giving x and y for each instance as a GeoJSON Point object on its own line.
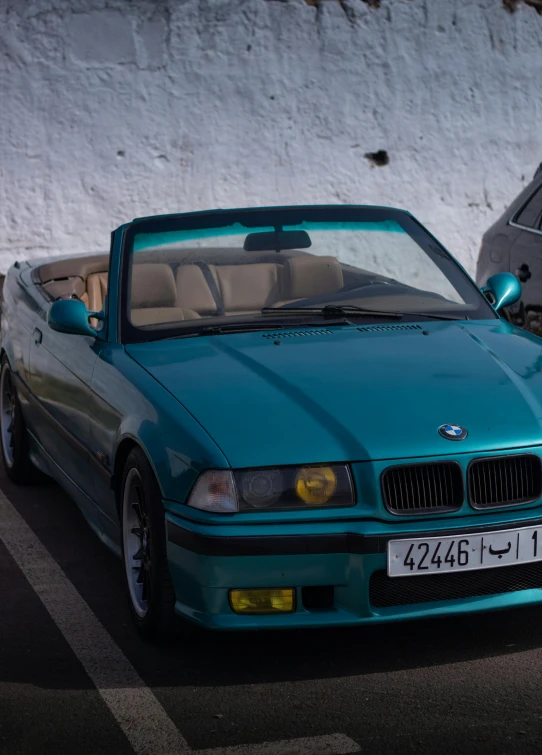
{"type": "Point", "coordinates": [71, 316]}
{"type": "Point", "coordinates": [502, 290]}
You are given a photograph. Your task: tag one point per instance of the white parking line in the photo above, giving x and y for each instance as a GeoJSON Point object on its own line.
{"type": "Point", "coordinates": [139, 714]}
{"type": "Point", "coordinates": [141, 717]}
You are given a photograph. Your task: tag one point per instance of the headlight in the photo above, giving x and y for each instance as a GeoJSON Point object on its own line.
{"type": "Point", "coordinates": [261, 488]}
{"type": "Point", "coordinates": [316, 485]}
{"type": "Point", "coordinates": [308, 487]}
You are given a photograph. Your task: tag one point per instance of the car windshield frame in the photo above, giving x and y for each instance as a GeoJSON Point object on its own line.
{"type": "Point", "coordinates": [254, 218]}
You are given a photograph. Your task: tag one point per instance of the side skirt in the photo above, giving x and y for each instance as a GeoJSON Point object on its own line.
{"type": "Point", "coordinates": [46, 464]}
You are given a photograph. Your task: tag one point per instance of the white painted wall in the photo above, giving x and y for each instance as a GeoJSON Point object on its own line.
{"type": "Point", "coordinates": [113, 109]}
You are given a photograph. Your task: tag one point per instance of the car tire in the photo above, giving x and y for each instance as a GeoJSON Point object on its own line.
{"type": "Point", "coordinates": [150, 590]}
{"type": "Point", "coordinates": [13, 435]}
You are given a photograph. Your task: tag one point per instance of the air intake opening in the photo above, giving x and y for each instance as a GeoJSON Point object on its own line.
{"type": "Point", "coordinates": [386, 592]}
{"type": "Point", "coordinates": [318, 598]}
{"type": "Point", "coordinates": [298, 333]}
{"type": "Point", "coordinates": [383, 328]}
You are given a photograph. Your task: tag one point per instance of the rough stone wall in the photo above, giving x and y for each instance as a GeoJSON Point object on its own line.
{"type": "Point", "coordinates": [113, 109]}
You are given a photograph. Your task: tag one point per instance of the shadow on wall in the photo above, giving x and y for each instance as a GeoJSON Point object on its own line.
{"type": "Point", "coordinates": [370, 3]}
{"type": "Point", "coordinates": [511, 5]}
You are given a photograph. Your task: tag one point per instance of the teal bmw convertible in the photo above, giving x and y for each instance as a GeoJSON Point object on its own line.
{"type": "Point", "coordinates": [283, 417]}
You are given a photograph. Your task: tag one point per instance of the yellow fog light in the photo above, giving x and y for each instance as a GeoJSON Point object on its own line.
{"type": "Point", "coordinates": [263, 601]}
{"type": "Point", "coordinates": [315, 485]}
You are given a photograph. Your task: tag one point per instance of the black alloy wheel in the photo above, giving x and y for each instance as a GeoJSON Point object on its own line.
{"type": "Point", "coordinates": [150, 589]}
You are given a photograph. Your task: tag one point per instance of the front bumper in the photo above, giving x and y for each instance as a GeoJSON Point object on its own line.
{"type": "Point", "coordinates": [206, 562]}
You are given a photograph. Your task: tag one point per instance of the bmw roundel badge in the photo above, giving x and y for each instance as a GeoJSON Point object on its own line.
{"type": "Point", "coordinates": [453, 432]}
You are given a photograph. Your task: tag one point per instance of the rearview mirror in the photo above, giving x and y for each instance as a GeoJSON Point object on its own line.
{"type": "Point", "coordinates": [504, 289]}
{"type": "Point", "coordinates": [71, 316]}
{"type": "Point", "coordinates": [276, 241]}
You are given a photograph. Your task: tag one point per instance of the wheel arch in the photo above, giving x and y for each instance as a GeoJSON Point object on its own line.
{"type": "Point", "coordinates": [6, 350]}
{"type": "Point", "coordinates": [125, 446]}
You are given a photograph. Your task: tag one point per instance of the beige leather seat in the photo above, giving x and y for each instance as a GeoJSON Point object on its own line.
{"type": "Point", "coordinates": [248, 288]}
{"type": "Point", "coordinates": [83, 278]}
{"type": "Point", "coordinates": [157, 296]}
{"type": "Point", "coordinates": [245, 289]}
{"type": "Point", "coordinates": [238, 289]}
{"type": "Point", "coordinates": [153, 296]}
{"type": "Point", "coordinates": [96, 291]}
{"type": "Point", "coordinates": [193, 291]}
{"type": "Point", "coordinates": [307, 276]}
{"type": "Point", "coordinates": [74, 267]}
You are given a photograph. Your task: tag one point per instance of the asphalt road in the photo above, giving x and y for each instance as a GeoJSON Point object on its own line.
{"type": "Point", "coordinates": [465, 685]}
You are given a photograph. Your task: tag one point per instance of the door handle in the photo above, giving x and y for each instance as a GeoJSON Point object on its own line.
{"type": "Point", "coordinates": [38, 335]}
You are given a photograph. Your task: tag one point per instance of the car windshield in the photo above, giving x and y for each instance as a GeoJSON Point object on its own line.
{"type": "Point", "coordinates": [226, 269]}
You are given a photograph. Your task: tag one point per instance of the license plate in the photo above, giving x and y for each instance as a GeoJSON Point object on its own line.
{"type": "Point", "coordinates": [437, 555]}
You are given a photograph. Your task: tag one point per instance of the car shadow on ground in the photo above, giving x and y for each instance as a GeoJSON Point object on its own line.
{"type": "Point", "coordinates": [214, 659]}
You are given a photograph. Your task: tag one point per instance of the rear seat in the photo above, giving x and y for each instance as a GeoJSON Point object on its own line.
{"type": "Point", "coordinates": [67, 278]}
{"type": "Point", "coordinates": [153, 295]}
{"type": "Point", "coordinates": [200, 290]}
{"type": "Point", "coordinates": [246, 289]}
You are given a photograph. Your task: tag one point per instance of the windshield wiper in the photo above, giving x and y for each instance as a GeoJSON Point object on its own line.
{"type": "Point", "coordinates": [338, 315]}
{"type": "Point", "coordinates": [217, 330]}
{"type": "Point", "coordinates": [437, 317]}
{"type": "Point", "coordinates": [332, 310]}
{"type": "Point", "coordinates": [242, 327]}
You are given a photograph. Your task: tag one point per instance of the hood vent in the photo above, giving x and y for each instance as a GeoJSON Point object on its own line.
{"type": "Point", "coordinates": [382, 328]}
{"type": "Point", "coordinates": [298, 333]}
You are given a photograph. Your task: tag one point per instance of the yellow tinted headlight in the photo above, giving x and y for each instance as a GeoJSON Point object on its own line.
{"type": "Point", "coordinates": [263, 601]}
{"type": "Point", "coordinates": [315, 485]}
{"type": "Point", "coordinates": [289, 488]}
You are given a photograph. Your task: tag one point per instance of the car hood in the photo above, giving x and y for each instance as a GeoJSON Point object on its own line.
{"type": "Point", "coordinates": [351, 394]}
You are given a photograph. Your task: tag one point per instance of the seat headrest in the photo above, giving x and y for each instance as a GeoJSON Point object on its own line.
{"type": "Point", "coordinates": [311, 276]}
{"type": "Point", "coordinates": [153, 285]}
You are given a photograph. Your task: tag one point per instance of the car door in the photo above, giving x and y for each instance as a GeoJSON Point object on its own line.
{"type": "Point", "coordinates": [61, 367]}
{"type": "Point", "coordinates": [20, 312]}
{"type": "Point", "coordinates": [526, 253]}
{"type": "Point", "coordinates": [113, 398]}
